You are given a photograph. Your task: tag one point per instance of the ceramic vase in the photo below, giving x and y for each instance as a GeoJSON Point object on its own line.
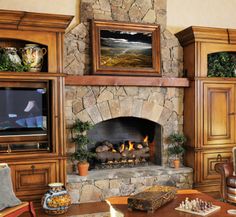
{"type": "Point", "coordinates": [11, 52]}
{"type": "Point", "coordinates": [32, 56]}
{"type": "Point", "coordinates": [57, 200]}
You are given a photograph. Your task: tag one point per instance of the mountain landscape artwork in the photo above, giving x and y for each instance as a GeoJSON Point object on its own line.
{"type": "Point", "coordinates": [125, 49]}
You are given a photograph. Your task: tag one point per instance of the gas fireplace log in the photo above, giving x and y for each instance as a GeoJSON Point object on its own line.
{"type": "Point", "coordinates": [108, 156]}
{"type": "Point", "coordinates": [142, 153]}
{"type": "Point", "coordinates": [138, 146]}
{"type": "Point", "coordinates": [108, 144]}
{"type": "Point", "coordinates": [102, 148]}
{"type": "Point", "coordinates": [105, 146]}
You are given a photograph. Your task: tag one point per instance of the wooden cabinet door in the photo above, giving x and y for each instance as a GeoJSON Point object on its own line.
{"type": "Point", "coordinates": [209, 160]}
{"type": "Point", "coordinates": [33, 178]}
{"type": "Point", "coordinates": [218, 114]}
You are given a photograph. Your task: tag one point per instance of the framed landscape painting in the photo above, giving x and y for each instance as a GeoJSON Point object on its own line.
{"type": "Point", "coordinates": [125, 48]}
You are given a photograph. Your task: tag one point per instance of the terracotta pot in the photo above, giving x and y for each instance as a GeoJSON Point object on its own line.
{"type": "Point", "coordinates": [83, 168]}
{"type": "Point", "coordinates": [176, 163]}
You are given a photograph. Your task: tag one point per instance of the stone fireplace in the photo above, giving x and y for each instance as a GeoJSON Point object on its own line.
{"type": "Point", "coordinates": [160, 107]}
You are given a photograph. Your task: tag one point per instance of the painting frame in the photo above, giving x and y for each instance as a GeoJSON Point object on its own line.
{"type": "Point", "coordinates": [146, 53]}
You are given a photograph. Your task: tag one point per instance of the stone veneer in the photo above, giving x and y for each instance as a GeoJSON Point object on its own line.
{"type": "Point", "coordinates": [98, 103]}
{"type": "Point", "coordinates": [95, 104]}
{"type": "Point", "coordinates": [100, 185]}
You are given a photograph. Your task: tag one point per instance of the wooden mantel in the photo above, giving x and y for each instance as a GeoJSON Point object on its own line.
{"type": "Point", "coordinates": [97, 80]}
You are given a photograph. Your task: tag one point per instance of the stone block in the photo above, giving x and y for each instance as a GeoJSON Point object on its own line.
{"type": "Point", "coordinates": [120, 92]}
{"type": "Point", "coordinates": [89, 99]}
{"type": "Point", "coordinates": [156, 97]}
{"type": "Point", "coordinates": [81, 91]}
{"type": "Point", "coordinates": [77, 106]}
{"type": "Point", "coordinates": [114, 108]}
{"type": "Point", "coordinates": [150, 16]}
{"type": "Point", "coordinates": [104, 96]}
{"type": "Point", "coordinates": [94, 114]}
{"type": "Point", "coordinates": [84, 116]}
{"type": "Point", "coordinates": [104, 110]}
{"type": "Point", "coordinates": [80, 30]}
{"type": "Point", "coordinates": [137, 107]}
{"type": "Point", "coordinates": [127, 4]}
{"type": "Point", "coordinates": [165, 115]}
{"type": "Point", "coordinates": [68, 103]}
{"type": "Point", "coordinates": [126, 106]}
{"type": "Point", "coordinates": [102, 184]}
{"type": "Point", "coordinates": [151, 110]}
{"type": "Point", "coordinates": [127, 189]}
{"type": "Point", "coordinates": [115, 183]}
{"type": "Point", "coordinates": [90, 193]}
{"type": "Point", "coordinates": [117, 3]}
{"type": "Point", "coordinates": [105, 5]}
{"type": "Point", "coordinates": [131, 91]}
{"type": "Point", "coordinates": [178, 105]}
{"type": "Point", "coordinates": [160, 4]}
{"type": "Point", "coordinates": [135, 14]}
{"type": "Point", "coordinates": [144, 93]}
{"type": "Point", "coordinates": [145, 5]}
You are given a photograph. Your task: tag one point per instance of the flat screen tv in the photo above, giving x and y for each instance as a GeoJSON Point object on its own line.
{"type": "Point", "coordinates": [24, 110]}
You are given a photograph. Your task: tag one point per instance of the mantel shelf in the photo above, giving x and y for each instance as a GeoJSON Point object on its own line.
{"type": "Point", "coordinates": [96, 80]}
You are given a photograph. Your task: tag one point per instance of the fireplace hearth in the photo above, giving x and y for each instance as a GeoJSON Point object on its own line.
{"type": "Point", "coordinates": [126, 142]}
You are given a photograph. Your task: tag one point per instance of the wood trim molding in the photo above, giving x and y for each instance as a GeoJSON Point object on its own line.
{"type": "Point", "coordinates": [204, 34]}
{"type": "Point", "coordinates": [96, 80]}
{"type": "Point", "coordinates": [21, 20]}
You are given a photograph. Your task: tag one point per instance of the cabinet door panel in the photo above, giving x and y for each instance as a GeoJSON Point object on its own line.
{"type": "Point", "coordinates": [218, 114]}
{"type": "Point", "coordinates": [210, 159]}
{"type": "Point", "coordinates": [33, 178]}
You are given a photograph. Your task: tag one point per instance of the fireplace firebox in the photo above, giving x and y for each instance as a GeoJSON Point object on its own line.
{"type": "Point", "coordinates": [126, 142]}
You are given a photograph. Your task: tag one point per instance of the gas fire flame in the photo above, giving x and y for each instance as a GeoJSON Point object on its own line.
{"type": "Point", "coordinates": [145, 139]}
{"type": "Point", "coordinates": [122, 147]}
{"type": "Point", "coordinates": [131, 146]}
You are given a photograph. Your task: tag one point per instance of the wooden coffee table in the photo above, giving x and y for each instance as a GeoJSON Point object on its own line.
{"type": "Point", "coordinates": [119, 206]}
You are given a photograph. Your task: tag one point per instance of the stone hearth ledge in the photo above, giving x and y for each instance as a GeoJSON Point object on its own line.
{"type": "Point", "coordinates": [101, 184]}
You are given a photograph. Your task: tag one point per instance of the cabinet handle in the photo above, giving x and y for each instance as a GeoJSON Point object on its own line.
{"type": "Point", "coordinates": [232, 113]}
{"type": "Point", "coordinates": [33, 168]}
{"type": "Point", "coordinates": [219, 157]}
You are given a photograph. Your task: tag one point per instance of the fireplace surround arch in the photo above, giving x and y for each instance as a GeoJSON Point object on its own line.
{"type": "Point", "coordinates": [122, 129]}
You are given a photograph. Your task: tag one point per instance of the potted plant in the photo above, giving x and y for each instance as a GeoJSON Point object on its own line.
{"type": "Point", "coordinates": [176, 148]}
{"type": "Point", "coordinates": [82, 155]}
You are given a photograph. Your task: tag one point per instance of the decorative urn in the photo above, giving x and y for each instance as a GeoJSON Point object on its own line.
{"type": "Point", "coordinates": [32, 56]}
{"type": "Point", "coordinates": [57, 200]}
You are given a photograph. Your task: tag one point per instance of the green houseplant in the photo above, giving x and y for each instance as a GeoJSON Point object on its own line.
{"type": "Point", "coordinates": [80, 138]}
{"type": "Point", "coordinates": [222, 64]}
{"type": "Point", "coordinates": [7, 65]}
{"type": "Point", "coordinates": [176, 148]}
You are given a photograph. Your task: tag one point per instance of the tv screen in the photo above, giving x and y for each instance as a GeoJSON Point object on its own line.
{"type": "Point", "coordinates": [23, 111]}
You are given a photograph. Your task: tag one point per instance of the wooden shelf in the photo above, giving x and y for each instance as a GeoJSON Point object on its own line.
{"type": "Point", "coordinates": [98, 80]}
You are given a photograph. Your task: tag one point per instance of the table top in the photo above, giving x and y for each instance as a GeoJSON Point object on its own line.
{"type": "Point", "coordinates": [119, 206]}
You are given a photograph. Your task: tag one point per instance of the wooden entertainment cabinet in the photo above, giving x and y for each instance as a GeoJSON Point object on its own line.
{"type": "Point", "coordinates": [44, 159]}
{"type": "Point", "coordinates": [209, 105]}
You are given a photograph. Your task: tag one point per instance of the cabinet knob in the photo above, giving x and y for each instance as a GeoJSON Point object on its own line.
{"type": "Point", "coordinates": [33, 168]}
{"type": "Point", "coordinates": [219, 157]}
{"type": "Point", "coordinates": [232, 113]}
